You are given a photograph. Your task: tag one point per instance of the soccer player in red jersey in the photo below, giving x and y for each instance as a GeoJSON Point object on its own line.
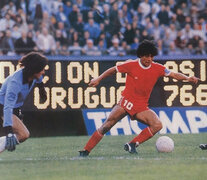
{"type": "Point", "coordinates": [142, 74]}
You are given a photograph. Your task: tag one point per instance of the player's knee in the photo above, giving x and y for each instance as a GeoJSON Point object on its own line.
{"type": "Point", "coordinates": [23, 136]}
{"type": "Point", "coordinates": [105, 128]}
{"type": "Point", "coordinates": [158, 125]}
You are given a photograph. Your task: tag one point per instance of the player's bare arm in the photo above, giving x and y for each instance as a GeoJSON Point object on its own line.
{"type": "Point", "coordinates": [180, 76]}
{"type": "Point", "coordinates": [95, 82]}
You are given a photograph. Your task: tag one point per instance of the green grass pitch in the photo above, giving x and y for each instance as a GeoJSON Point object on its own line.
{"type": "Point", "coordinates": [57, 158]}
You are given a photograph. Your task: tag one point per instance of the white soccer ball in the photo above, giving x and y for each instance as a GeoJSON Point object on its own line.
{"type": "Point", "coordinates": [164, 144]}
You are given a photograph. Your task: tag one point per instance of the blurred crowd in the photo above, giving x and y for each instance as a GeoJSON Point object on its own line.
{"type": "Point", "coordinates": [102, 27]}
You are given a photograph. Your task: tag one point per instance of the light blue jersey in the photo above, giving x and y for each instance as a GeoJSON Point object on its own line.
{"type": "Point", "coordinates": [13, 92]}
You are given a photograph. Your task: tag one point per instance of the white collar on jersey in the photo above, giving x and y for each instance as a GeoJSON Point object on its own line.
{"type": "Point", "coordinates": [143, 67]}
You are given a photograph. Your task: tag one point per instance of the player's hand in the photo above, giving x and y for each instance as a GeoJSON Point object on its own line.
{"type": "Point", "coordinates": [94, 82]}
{"type": "Point", "coordinates": [193, 79]}
{"type": "Point", "coordinates": [11, 139]}
{"type": "Point", "coordinates": [43, 94]}
{"type": "Point", "coordinates": [11, 142]}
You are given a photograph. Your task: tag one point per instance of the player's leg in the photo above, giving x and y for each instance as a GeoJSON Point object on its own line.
{"type": "Point", "coordinates": [149, 118]}
{"type": "Point", "coordinates": [19, 129]}
{"type": "Point", "coordinates": [116, 114]}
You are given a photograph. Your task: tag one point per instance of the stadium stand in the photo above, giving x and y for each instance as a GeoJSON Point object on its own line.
{"type": "Point", "coordinates": [63, 27]}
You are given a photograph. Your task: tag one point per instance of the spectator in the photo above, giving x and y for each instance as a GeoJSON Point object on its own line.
{"type": "Point", "coordinates": [134, 46]}
{"type": "Point", "coordinates": [144, 35]}
{"type": "Point", "coordinates": [75, 49]}
{"type": "Point", "coordinates": [11, 7]}
{"type": "Point", "coordinates": [158, 31]}
{"type": "Point", "coordinates": [185, 9]}
{"type": "Point", "coordinates": [90, 50]}
{"type": "Point", "coordinates": [179, 40]}
{"type": "Point", "coordinates": [145, 8]}
{"type": "Point", "coordinates": [102, 47]}
{"type": "Point", "coordinates": [174, 21]}
{"type": "Point", "coordinates": [180, 17]}
{"type": "Point", "coordinates": [98, 17]}
{"type": "Point", "coordinates": [173, 50]}
{"type": "Point", "coordinates": [79, 26]}
{"type": "Point", "coordinates": [74, 37]}
{"type": "Point", "coordinates": [46, 22]}
{"type": "Point", "coordinates": [23, 4]}
{"type": "Point", "coordinates": [61, 17]}
{"type": "Point", "coordinates": [61, 27]}
{"type": "Point", "coordinates": [166, 43]}
{"type": "Point", "coordinates": [73, 16]}
{"type": "Point", "coordinates": [15, 32]}
{"type": "Point", "coordinates": [172, 5]}
{"type": "Point", "coordinates": [163, 16]}
{"type": "Point", "coordinates": [64, 50]}
{"type": "Point", "coordinates": [2, 35]}
{"type": "Point", "coordinates": [160, 47]}
{"type": "Point", "coordinates": [46, 42]}
{"type": "Point", "coordinates": [201, 49]}
{"type": "Point", "coordinates": [126, 13]}
{"type": "Point", "coordinates": [115, 26]}
{"type": "Point", "coordinates": [35, 5]}
{"type": "Point", "coordinates": [24, 44]}
{"type": "Point", "coordinates": [187, 32]}
{"type": "Point", "coordinates": [67, 6]}
{"type": "Point", "coordinates": [190, 50]}
{"type": "Point", "coordinates": [115, 49]}
{"type": "Point", "coordinates": [103, 37]}
{"type": "Point", "coordinates": [55, 6]}
{"type": "Point", "coordinates": [198, 32]}
{"type": "Point", "coordinates": [22, 14]}
{"type": "Point", "coordinates": [172, 31]}
{"type": "Point", "coordinates": [6, 23]}
{"type": "Point", "coordinates": [106, 11]}
{"type": "Point", "coordinates": [86, 36]}
{"type": "Point", "coordinates": [194, 13]}
{"type": "Point", "coordinates": [122, 20]}
{"type": "Point", "coordinates": [8, 44]}
{"type": "Point", "coordinates": [32, 31]}
{"type": "Point", "coordinates": [92, 28]}
{"type": "Point", "coordinates": [59, 37]}
{"type": "Point", "coordinates": [113, 12]}
{"type": "Point", "coordinates": [129, 34]}
{"type": "Point", "coordinates": [22, 25]}
{"type": "Point", "coordinates": [125, 48]}
{"type": "Point", "coordinates": [157, 6]}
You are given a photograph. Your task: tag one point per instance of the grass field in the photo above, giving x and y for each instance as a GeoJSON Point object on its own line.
{"type": "Point", "coordinates": [56, 158]}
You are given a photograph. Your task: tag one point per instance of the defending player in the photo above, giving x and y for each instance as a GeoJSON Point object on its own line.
{"type": "Point", "coordinates": [13, 92]}
{"type": "Point", "coordinates": [142, 75]}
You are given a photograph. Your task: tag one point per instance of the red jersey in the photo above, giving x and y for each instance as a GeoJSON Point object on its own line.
{"type": "Point", "coordinates": [140, 80]}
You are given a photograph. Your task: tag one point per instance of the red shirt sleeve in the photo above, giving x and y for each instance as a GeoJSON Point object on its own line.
{"type": "Point", "coordinates": [124, 67]}
{"type": "Point", "coordinates": [161, 69]}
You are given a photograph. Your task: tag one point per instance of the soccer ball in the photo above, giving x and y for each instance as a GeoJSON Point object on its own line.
{"type": "Point", "coordinates": [164, 144]}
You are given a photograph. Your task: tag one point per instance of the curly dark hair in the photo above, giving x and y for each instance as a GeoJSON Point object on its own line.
{"type": "Point", "coordinates": [147, 47]}
{"type": "Point", "coordinates": [33, 63]}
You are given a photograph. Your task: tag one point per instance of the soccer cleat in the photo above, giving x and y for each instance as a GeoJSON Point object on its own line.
{"type": "Point", "coordinates": [84, 153]}
{"type": "Point", "coordinates": [130, 147]}
{"type": "Point", "coordinates": [203, 146]}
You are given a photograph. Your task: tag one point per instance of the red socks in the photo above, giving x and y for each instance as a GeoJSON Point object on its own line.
{"type": "Point", "coordinates": [143, 136]}
{"type": "Point", "coordinates": [95, 138]}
